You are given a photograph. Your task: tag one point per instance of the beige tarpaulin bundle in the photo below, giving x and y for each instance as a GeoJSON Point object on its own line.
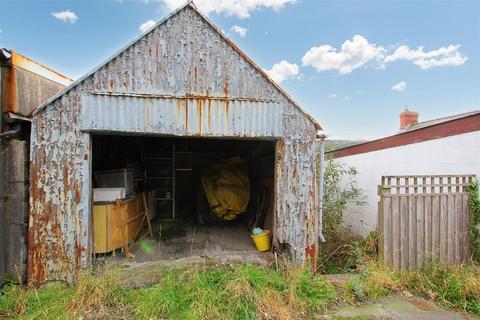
{"type": "Point", "coordinates": [227, 188]}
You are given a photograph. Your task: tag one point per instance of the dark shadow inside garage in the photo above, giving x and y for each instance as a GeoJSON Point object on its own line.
{"type": "Point", "coordinates": [164, 175]}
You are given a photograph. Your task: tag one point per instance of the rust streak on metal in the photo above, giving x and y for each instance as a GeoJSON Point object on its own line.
{"type": "Point", "coordinates": [186, 115]}
{"type": "Point", "coordinates": [199, 115]}
{"type": "Point", "coordinates": [12, 91]}
{"type": "Point", "coordinates": [195, 78]}
{"type": "Point", "coordinates": [37, 68]}
{"type": "Point", "coordinates": [183, 97]}
{"type": "Point", "coordinates": [209, 115]}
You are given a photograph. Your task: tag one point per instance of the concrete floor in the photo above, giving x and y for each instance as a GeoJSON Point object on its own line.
{"type": "Point", "coordinates": [176, 240]}
{"type": "Point", "coordinates": [397, 307]}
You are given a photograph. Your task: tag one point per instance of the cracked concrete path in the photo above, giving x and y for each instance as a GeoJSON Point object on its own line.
{"type": "Point", "coordinates": [398, 307]}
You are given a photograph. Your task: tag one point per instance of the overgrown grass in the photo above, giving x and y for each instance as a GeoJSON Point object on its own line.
{"type": "Point", "coordinates": [344, 255]}
{"type": "Point", "coordinates": [455, 287]}
{"type": "Point", "coordinates": [234, 292]}
{"type": "Point", "coordinates": [202, 291]}
{"type": "Point", "coordinates": [238, 291]}
{"type": "Point", "coordinates": [46, 303]}
{"type": "Point", "coordinates": [93, 297]}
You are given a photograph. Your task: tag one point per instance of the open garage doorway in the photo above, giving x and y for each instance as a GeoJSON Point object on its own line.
{"type": "Point", "coordinates": [181, 185]}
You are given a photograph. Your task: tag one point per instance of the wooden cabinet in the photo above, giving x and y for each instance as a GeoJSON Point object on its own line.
{"type": "Point", "coordinates": [116, 224]}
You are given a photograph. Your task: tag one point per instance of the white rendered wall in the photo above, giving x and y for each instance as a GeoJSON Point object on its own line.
{"type": "Point", "coordinates": [458, 154]}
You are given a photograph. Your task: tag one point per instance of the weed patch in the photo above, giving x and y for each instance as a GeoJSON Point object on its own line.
{"type": "Point", "coordinates": [201, 291]}
{"type": "Point", "coordinates": [455, 287]}
{"type": "Point", "coordinates": [234, 292]}
{"type": "Point", "coordinates": [46, 303]}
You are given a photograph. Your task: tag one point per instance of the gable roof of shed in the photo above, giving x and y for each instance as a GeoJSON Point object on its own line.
{"type": "Point", "coordinates": [173, 13]}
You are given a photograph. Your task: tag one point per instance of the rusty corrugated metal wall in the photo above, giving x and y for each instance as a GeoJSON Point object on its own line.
{"type": "Point", "coordinates": [24, 84]}
{"type": "Point", "coordinates": [184, 79]}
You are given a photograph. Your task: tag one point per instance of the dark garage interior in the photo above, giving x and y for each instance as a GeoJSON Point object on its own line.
{"type": "Point", "coordinates": [164, 175]}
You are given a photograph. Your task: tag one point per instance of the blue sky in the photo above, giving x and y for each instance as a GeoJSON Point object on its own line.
{"type": "Point", "coordinates": [349, 91]}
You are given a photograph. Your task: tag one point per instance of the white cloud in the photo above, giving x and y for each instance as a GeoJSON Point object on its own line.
{"type": "Point", "coordinates": [333, 95]}
{"type": "Point", "coordinates": [347, 98]}
{"type": "Point", "coordinates": [399, 87]}
{"type": "Point", "coordinates": [283, 70]}
{"type": "Point", "coordinates": [359, 52]}
{"type": "Point", "coordinates": [239, 8]}
{"type": "Point", "coordinates": [444, 56]}
{"type": "Point", "coordinates": [353, 54]}
{"type": "Point", "coordinates": [146, 25]}
{"type": "Point", "coordinates": [242, 32]}
{"type": "Point", "coordinates": [65, 16]}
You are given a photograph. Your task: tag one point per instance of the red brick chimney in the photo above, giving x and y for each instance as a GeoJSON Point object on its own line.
{"type": "Point", "coordinates": [408, 118]}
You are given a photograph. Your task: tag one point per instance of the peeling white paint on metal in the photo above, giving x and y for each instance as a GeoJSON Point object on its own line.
{"type": "Point", "coordinates": [191, 117]}
{"type": "Point", "coordinates": [204, 87]}
{"type": "Point", "coordinates": [58, 226]}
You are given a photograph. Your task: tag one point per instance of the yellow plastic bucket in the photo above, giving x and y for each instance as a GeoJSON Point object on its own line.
{"type": "Point", "coordinates": [262, 241]}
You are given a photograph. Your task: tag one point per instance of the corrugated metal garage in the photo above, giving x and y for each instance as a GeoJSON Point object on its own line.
{"type": "Point", "coordinates": [183, 78]}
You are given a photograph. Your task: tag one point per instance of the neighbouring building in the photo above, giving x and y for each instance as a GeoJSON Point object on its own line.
{"type": "Point", "coordinates": [24, 85]}
{"type": "Point", "coordinates": [182, 85]}
{"type": "Point", "coordinates": [444, 146]}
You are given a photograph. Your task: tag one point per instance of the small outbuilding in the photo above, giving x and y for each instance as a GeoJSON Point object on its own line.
{"type": "Point", "coordinates": [24, 84]}
{"type": "Point", "coordinates": [444, 148]}
{"type": "Point", "coordinates": [184, 94]}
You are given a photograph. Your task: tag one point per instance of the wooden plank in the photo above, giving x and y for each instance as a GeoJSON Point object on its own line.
{"type": "Point", "coordinates": [443, 227]}
{"type": "Point", "coordinates": [458, 220]}
{"type": "Point", "coordinates": [412, 231]}
{"type": "Point", "coordinates": [404, 232]}
{"type": "Point", "coordinates": [420, 210]}
{"type": "Point", "coordinates": [380, 228]}
{"type": "Point", "coordinates": [396, 233]}
{"type": "Point", "coordinates": [387, 230]}
{"type": "Point", "coordinates": [450, 227]}
{"type": "Point", "coordinates": [428, 227]}
{"type": "Point", "coordinates": [435, 227]}
{"type": "Point", "coordinates": [466, 221]}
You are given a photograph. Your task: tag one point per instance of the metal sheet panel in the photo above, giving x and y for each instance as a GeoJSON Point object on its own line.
{"type": "Point", "coordinates": [27, 83]}
{"type": "Point", "coordinates": [184, 79]}
{"type": "Point", "coordinates": [31, 90]}
{"type": "Point", "coordinates": [59, 194]}
{"type": "Point", "coordinates": [188, 117]}
{"type": "Point", "coordinates": [297, 188]}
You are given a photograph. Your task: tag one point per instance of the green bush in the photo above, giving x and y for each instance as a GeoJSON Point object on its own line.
{"type": "Point", "coordinates": [340, 190]}
{"type": "Point", "coordinates": [474, 225]}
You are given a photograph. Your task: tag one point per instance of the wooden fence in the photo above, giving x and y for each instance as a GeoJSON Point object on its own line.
{"type": "Point", "coordinates": [423, 218]}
